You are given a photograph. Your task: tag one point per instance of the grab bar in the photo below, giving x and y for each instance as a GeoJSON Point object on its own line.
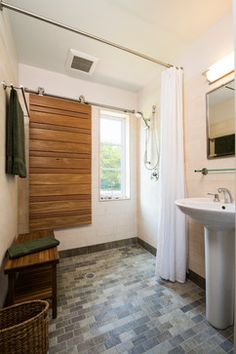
{"type": "Point", "coordinates": [205, 170]}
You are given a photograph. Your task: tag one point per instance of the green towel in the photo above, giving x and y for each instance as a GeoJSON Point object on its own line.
{"type": "Point", "coordinates": [15, 138]}
{"type": "Point", "coordinates": [33, 246]}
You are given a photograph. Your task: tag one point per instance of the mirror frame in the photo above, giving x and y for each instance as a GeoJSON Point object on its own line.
{"type": "Point", "coordinates": [207, 125]}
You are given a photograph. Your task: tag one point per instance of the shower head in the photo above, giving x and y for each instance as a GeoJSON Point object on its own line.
{"type": "Point", "coordinates": [140, 115]}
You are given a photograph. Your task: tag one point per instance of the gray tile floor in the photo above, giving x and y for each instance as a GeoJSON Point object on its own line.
{"type": "Point", "coordinates": [124, 308]}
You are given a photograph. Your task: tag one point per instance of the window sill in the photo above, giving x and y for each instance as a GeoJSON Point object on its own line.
{"type": "Point", "coordinates": [118, 199]}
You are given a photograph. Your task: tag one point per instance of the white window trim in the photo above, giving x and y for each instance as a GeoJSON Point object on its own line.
{"type": "Point", "coordinates": [125, 179]}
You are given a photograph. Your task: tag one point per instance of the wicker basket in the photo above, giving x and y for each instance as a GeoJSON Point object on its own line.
{"type": "Point", "coordinates": [24, 328]}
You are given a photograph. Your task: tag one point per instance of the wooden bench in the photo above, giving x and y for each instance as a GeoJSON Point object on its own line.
{"type": "Point", "coordinates": [33, 276]}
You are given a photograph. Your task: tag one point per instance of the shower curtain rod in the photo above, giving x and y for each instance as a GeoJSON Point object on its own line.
{"type": "Point", "coordinates": [81, 99]}
{"type": "Point", "coordinates": [21, 88]}
{"type": "Point", "coordinates": [83, 33]}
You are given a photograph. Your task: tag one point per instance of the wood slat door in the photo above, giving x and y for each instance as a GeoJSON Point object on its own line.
{"type": "Point", "coordinates": [59, 163]}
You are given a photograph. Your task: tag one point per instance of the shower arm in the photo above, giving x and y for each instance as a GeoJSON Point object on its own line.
{"type": "Point", "coordinates": [146, 120]}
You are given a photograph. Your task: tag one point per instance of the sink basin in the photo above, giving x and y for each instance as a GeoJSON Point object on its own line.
{"type": "Point", "coordinates": [214, 215]}
{"type": "Point", "coordinates": [219, 223]}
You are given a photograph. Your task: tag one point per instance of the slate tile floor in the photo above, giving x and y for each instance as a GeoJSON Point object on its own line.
{"type": "Point", "coordinates": [124, 308]}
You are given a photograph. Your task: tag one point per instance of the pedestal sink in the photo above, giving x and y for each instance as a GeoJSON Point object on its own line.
{"type": "Point", "coordinates": [219, 224]}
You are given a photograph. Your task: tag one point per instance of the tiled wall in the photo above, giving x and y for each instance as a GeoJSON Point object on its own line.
{"type": "Point", "coordinates": [149, 193]}
{"type": "Point", "coordinates": [112, 220]}
{"type": "Point", "coordinates": [204, 52]}
{"type": "Point", "coordinates": [195, 158]}
{"type": "Point", "coordinates": [8, 185]}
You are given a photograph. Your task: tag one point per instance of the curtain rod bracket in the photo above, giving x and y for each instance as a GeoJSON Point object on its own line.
{"type": "Point", "coordinates": [82, 99]}
{"type": "Point", "coordinates": [4, 85]}
{"type": "Point", "coordinates": [41, 91]}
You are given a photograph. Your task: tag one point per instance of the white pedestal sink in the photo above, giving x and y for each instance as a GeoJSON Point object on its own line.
{"type": "Point", "coordinates": [219, 224]}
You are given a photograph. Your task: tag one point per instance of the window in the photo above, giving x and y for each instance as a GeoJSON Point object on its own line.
{"type": "Point", "coordinates": [114, 156]}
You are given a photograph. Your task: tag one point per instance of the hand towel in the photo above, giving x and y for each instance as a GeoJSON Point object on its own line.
{"type": "Point", "coordinates": [15, 138]}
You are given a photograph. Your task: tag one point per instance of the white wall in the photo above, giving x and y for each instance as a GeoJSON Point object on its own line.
{"type": "Point", "coordinates": [8, 185]}
{"type": "Point", "coordinates": [234, 14]}
{"type": "Point", "coordinates": [203, 53]}
{"type": "Point", "coordinates": [212, 46]}
{"type": "Point", "coordinates": [112, 220]}
{"type": "Point", "coordinates": [148, 206]}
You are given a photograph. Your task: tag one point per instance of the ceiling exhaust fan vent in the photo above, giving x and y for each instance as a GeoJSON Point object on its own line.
{"type": "Point", "coordinates": [82, 62]}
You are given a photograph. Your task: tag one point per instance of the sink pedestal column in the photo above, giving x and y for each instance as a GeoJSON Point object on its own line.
{"type": "Point", "coordinates": [219, 266]}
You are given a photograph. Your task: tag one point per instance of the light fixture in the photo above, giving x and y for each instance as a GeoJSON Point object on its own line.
{"type": "Point", "coordinates": [221, 68]}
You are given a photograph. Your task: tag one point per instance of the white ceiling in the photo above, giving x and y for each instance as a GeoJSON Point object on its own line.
{"type": "Point", "coordinates": [159, 28]}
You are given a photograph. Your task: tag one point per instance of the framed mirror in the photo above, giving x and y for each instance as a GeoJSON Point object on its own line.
{"type": "Point", "coordinates": [220, 121]}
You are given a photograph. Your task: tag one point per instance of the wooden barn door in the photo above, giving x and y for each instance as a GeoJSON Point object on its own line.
{"type": "Point", "coordinates": [59, 164]}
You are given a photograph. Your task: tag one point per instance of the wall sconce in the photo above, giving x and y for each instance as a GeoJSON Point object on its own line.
{"type": "Point", "coordinates": [220, 69]}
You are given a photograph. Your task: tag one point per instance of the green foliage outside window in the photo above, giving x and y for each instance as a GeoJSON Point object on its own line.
{"type": "Point", "coordinates": [110, 167]}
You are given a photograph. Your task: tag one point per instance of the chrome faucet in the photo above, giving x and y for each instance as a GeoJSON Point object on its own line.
{"type": "Point", "coordinates": [216, 197]}
{"type": "Point", "coordinates": [227, 195]}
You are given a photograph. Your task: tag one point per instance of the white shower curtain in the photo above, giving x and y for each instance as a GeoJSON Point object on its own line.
{"type": "Point", "coordinates": [171, 238]}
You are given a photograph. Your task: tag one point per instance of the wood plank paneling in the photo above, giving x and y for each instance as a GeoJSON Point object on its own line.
{"type": "Point", "coordinates": [58, 112]}
{"type": "Point", "coordinates": [78, 197]}
{"type": "Point", "coordinates": [59, 222]}
{"type": "Point", "coordinates": [62, 136]}
{"type": "Point", "coordinates": [58, 189]}
{"type": "Point", "coordinates": [59, 103]}
{"type": "Point", "coordinates": [59, 154]}
{"type": "Point", "coordinates": [59, 170]}
{"type": "Point", "coordinates": [59, 128]}
{"type": "Point", "coordinates": [58, 146]}
{"type": "Point", "coordinates": [64, 121]}
{"type": "Point", "coordinates": [61, 179]}
{"type": "Point", "coordinates": [59, 163]}
{"type": "Point", "coordinates": [59, 206]}
{"type": "Point", "coordinates": [43, 215]}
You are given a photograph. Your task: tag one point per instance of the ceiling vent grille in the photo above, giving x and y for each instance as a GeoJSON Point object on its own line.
{"type": "Point", "coordinates": [81, 62]}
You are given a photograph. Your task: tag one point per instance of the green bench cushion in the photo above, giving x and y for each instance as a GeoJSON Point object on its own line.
{"type": "Point", "coordinates": [33, 246]}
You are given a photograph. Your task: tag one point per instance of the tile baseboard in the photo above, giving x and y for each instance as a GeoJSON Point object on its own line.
{"type": "Point", "coordinates": [194, 277]}
{"type": "Point", "coordinates": [147, 246]}
{"type": "Point", "coordinates": [197, 279]}
{"type": "Point", "coordinates": [97, 248]}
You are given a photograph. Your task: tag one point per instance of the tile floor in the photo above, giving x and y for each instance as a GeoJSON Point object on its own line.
{"type": "Point", "coordinates": [124, 308]}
